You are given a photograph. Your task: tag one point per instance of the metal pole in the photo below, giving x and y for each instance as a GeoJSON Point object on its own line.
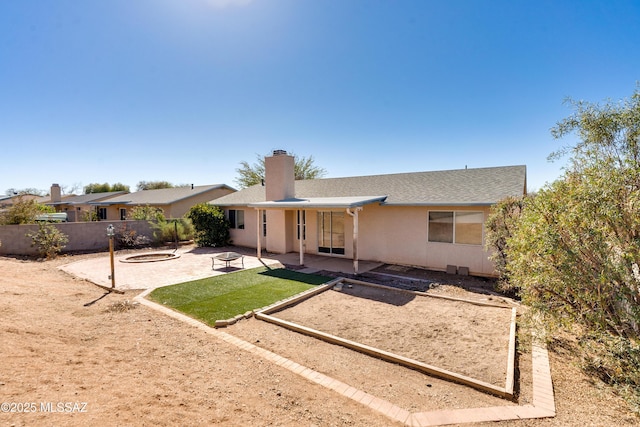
{"type": "Point", "coordinates": [113, 277]}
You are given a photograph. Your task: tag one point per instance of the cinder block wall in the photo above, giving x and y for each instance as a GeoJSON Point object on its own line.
{"type": "Point", "coordinates": [83, 236]}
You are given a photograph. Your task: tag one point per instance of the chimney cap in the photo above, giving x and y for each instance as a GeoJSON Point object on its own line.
{"type": "Point", "coordinates": [279, 152]}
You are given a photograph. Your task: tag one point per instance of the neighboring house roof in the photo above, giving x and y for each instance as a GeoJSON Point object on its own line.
{"type": "Point", "coordinates": [163, 196]}
{"type": "Point", "coordinates": [463, 187]}
{"type": "Point", "coordinates": [85, 199]}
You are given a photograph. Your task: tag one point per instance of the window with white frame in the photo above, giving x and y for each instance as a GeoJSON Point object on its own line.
{"type": "Point", "coordinates": [236, 218]}
{"type": "Point", "coordinates": [461, 227]}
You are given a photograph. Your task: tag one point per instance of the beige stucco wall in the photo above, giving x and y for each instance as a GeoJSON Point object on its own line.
{"type": "Point", "coordinates": [390, 234]}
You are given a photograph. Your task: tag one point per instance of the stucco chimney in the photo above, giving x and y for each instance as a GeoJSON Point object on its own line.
{"type": "Point", "coordinates": [279, 175]}
{"type": "Point", "coordinates": [56, 193]}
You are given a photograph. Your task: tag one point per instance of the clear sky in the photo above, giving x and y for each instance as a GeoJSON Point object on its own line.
{"type": "Point", "coordinates": [95, 91]}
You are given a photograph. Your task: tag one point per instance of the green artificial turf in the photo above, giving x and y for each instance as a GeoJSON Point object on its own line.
{"type": "Point", "coordinates": [225, 296]}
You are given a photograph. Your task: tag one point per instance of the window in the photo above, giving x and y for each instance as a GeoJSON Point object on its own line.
{"type": "Point", "coordinates": [302, 221]}
{"type": "Point", "coordinates": [236, 219]}
{"type": "Point", "coordinates": [123, 214]}
{"type": "Point", "coordinates": [331, 232]}
{"type": "Point", "coordinates": [441, 227]}
{"type": "Point", "coordinates": [461, 227]}
{"type": "Point", "coordinates": [264, 223]}
{"type": "Point", "coordinates": [102, 214]}
{"type": "Point", "coordinates": [469, 228]}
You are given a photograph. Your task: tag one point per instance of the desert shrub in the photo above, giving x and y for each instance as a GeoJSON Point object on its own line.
{"type": "Point", "coordinates": [500, 225]}
{"type": "Point", "coordinates": [88, 216]}
{"type": "Point", "coordinates": [172, 230]}
{"type": "Point", "coordinates": [128, 238]}
{"type": "Point", "coordinates": [48, 240]}
{"type": "Point", "coordinates": [210, 225]}
{"type": "Point", "coordinates": [146, 213]}
{"type": "Point", "coordinates": [575, 252]}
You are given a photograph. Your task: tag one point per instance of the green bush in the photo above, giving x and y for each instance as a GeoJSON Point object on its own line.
{"type": "Point", "coordinates": [146, 213]}
{"type": "Point", "coordinates": [172, 230]}
{"type": "Point", "coordinates": [49, 240]}
{"type": "Point", "coordinates": [210, 225]}
{"type": "Point", "coordinates": [500, 226]}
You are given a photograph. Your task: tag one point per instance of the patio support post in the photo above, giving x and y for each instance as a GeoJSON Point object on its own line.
{"type": "Point", "coordinates": [301, 221]}
{"type": "Point", "coordinates": [258, 230]}
{"type": "Point", "coordinates": [354, 215]}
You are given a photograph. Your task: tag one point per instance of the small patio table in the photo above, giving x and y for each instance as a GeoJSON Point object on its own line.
{"type": "Point", "coordinates": [227, 257]}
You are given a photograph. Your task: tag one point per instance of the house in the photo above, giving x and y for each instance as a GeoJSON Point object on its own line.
{"type": "Point", "coordinates": [433, 220]}
{"type": "Point", "coordinates": [174, 202]}
{"type": "Point", "coordinates": [77, 207]}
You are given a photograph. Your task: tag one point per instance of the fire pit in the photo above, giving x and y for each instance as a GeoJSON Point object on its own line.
{"type": "Point", "coordinates": [151, 257]}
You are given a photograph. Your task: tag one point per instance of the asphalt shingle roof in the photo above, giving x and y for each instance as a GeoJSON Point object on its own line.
{"type": "Point", "coordinates": [163, 196]}
{"type": "Point", "coordinates": [478, 186]}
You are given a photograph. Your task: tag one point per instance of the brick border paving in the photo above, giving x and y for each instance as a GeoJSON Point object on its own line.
{"type": "Point", "coordinates": [543, 397]}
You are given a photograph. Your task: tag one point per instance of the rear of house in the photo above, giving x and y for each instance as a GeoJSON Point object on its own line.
{"type": "Point", "coordinates": [429, 219]}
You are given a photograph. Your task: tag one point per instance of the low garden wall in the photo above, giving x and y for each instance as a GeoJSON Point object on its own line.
{"type": "Point", "coordinates": [83, 236]}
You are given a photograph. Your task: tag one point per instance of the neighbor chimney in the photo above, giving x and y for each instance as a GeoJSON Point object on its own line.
{"type": "Point", "coordinates": [56, 193]}
{"type": "Point", "coordinates": [279, 176]}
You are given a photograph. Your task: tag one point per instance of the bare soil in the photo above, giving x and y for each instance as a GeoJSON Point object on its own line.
{"type": "Point", "coordinates": [66, 340]}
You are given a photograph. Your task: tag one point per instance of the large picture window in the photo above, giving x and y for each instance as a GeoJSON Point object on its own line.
{"type": "Point", "coordinates": [331, 232]}
{"type": "Point", "coordinates": [462, 227]}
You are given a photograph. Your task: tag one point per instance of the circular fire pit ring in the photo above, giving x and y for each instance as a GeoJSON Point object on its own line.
{"type": "Point", "coordinates": [151, 257]}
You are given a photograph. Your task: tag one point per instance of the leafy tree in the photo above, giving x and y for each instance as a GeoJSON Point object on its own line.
{"type": "Point", "coordinates": [210, 225]}
{"type": "Point", "coordinates": [24, 211]}
{"type": "Point", "coordinates": [146, 213]}
{"type": "Point", "coordinates": [153, 185]}
{"type": "Point", "coordinates": [304, 168]}
{"type": "Point", "coordinates": [25, 191]}
{"type": "Point", "coordinates": [575, 251]}
{"type": "Point", "coordinates": [575, 254]}
{"type": "Point", "coordinates": [49, 240]}
{"type": "Point", "coordinates": [105, 188]}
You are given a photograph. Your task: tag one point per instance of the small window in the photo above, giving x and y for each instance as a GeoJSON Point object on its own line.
{"type": "Point", "coordinates": [236, 219]}
{"type": "Point", "coordinates": [102, 214]}
{"type": "Point", "coordinates": [441, 227]}
{"type": "Point", "coordinates": [123, 214]}
{"type": "Point", "coordinates": [469, 228]}
{"type": "Point", "coordinates": [461, 227]}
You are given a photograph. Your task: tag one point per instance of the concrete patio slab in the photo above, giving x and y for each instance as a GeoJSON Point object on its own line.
{"type": "Point", "coordinates": [194, 263]}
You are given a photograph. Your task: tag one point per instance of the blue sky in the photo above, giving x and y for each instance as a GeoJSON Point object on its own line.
{"type": "Point", "coordinates": [184, 90]}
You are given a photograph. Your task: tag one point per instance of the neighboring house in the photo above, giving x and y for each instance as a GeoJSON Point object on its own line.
{"type": "Point", "coordinates": [77, 208]}
{"type": "Point", "coordinates": [174, 202]}
{"type": "Point", "coordinates": [428, 219]}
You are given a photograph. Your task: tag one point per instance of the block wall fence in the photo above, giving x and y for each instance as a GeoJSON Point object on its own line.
{"type": "Point", "coordinates": [83, 236]}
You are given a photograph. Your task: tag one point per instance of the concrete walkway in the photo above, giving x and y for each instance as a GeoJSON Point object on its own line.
{"type": "Point", "coordinates": [195, 263]}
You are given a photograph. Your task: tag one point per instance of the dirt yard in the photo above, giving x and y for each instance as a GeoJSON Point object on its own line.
{"type": "Point", "coordinates": [67, 343]}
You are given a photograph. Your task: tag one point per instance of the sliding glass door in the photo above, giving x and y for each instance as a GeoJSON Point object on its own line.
{"type": "Point", "coordinates": [331, 232]}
